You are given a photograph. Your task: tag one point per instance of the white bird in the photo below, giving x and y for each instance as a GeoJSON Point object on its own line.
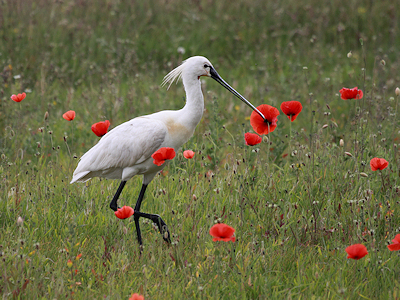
{"type": "Point", "coordinates": [126, 150]}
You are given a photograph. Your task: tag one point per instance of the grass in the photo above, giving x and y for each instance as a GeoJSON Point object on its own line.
{"type": "Point", "coordinates": [294, 216]}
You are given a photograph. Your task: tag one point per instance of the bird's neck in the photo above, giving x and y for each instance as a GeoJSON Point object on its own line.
{"type": "Point", "coordinates": [194, 107]}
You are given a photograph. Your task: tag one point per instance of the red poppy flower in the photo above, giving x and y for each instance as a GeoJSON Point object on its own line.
{"type": "Point", "coordinates": [259, 125]}
{"type": "Point", "coordinates": [252, 139]}
{"type": "Point", "coordinates": [353, 93]}
{"type": "Point", "coordinates": [396, 243]}
{"type": "Point", "coordinates": [378, 163]}
{"type": "Point", "coordinates": [163, 154]}
{"type": "Point", "coordinates": [100, 128]}
{"type": "Point", "coordinates": [19, 97]}
{"type": "Point", "coordinates": [356, 251]}
{"type": "Point", "coordinates": [291, 109]}
{"type": "Point", "coordinates": [124, 212]}
{"type": "Point", "coordinates": [136, 297]}
{"type": "Point", "coordinates": [188, 154]}
{"type": "Point", "coordinates": [69, 115]}
{"type": "Point", "coordinates": [222, 232]}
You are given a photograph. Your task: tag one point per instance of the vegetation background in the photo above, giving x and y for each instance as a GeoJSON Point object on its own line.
{"type": "Point", "coordinates": [294, 215]}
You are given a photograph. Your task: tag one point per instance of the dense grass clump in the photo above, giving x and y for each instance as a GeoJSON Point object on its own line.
{"type": "Point", "coordinates": [297, 200]}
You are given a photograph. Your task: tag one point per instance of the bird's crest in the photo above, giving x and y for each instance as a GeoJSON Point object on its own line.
{"type": "Point", "coordinates": [174, 75]}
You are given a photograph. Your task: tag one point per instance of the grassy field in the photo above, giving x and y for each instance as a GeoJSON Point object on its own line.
{"type": "Point", "coordinates": [296, 200]}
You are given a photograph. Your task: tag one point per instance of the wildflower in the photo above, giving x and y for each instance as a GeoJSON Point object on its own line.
{"type": "Point", "coordinates": [252, 139]}
{"type": "Point", "coordinates": [136, 297]}
{"type": "Point", "coordinates": [124, 212]}
{"type": "Point", "coordinates": [188, 154]}
{"type": "Point", "coordinates": [378, 163]}
{"type": "Point", "coordinates": [19, 97]}
{"type": "Point", "coordinates": [163, 154]}
{"type": "Point", "coordinates": [259, 125]}
{"type": "Point", "coordinates": [78, 256]}
{"type": "Point", "coordinates": [69, 115]}
{"type": "Point", "coordinates": [397, 91]}
{"type": "Point", "coordinates": [291, 109]}
{"type": "Point", "coordinates": [396, 243]}
{"type": "Point", "coordinates": [353, 93]}
{"type": "Point", "coordinates": [222, 232]}
{"type": "Point", "coordinates": [69, 263]}
{"type": "Point", "coordinates": [181, 50]}
{"type": "Point", "coordinates": [341, 143]}
{"type": "Point", "coordinates": [100, 128]}
{"type": "Point", "coordinates": [356, 251]}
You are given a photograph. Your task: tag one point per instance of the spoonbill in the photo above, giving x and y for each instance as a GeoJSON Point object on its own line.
{"type": "Point", "coordinates": [126, 150]}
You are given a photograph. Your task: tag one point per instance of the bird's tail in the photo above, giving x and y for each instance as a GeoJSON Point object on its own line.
{"type": "Point", "coordinates": [80, 177]}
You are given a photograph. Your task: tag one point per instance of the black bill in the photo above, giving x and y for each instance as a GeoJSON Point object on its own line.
{"type": "Point", "coordinates": [218, 78]}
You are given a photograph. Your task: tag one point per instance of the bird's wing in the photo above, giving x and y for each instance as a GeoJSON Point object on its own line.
{"type": "Point", "coordinates": [127, 145]}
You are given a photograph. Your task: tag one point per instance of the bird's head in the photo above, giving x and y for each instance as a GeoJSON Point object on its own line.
{"type": "Point", "coordinates": [197, 66]}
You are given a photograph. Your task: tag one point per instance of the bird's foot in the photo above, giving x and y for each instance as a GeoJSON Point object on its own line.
{"type": "Point", "coordinates": [162, 226]}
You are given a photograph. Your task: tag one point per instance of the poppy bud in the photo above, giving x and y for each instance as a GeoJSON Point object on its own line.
{"type": "Point", "coordinates": [325, 126]}
{"type": "Point", "coordinates": [348, 154]}
{"type": "Point", "coordinates": [383, 62]}
{"type": "Point", "coordinates": [341, 142]}
{"type": "Point", "coordinates": [397, 91]}
{"type": "Point", "coordinates": [46, 115]}
{"type": "Point", "coordinates": [69, 263]}
{"type": "Point", "coordinates": [20, 221]}
{"type": "Point", "coordinates": [364, 174]}
{"type": "Point", "coordinates": [350, 54]}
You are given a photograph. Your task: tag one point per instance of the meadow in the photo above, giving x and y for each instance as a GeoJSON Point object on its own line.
{"type": "Point", "coordinates": [296, 201]}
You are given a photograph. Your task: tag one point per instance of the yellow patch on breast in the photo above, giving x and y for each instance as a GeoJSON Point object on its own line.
{"type": "Point", "coordinates": [178, 130]}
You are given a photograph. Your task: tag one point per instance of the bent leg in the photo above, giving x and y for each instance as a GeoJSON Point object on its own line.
{"type": "Point", "coordinates": [113, 204]}
{"type": "Point", "coordinates": [162, 226]}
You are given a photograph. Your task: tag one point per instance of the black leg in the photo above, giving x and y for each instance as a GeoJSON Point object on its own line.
{"type": "Point", "coordinates": [113, 204]}
{"type": "Point", "coordinates": [136, 216]}
{"type": "Point", "coordinates": [155, 218]}
{"type": "Point", "coordinates": [140, 198]}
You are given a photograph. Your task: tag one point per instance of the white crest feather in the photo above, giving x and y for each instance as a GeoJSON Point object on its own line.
{"type": "Point", "coordinates": [174, 75]}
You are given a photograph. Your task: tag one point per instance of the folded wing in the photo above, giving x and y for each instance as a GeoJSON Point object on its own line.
{"type": "Point", "coordinates": [127, 145]}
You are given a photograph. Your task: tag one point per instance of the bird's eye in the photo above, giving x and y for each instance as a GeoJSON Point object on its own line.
{"type": "Point", "coordinates": [206, 66]}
